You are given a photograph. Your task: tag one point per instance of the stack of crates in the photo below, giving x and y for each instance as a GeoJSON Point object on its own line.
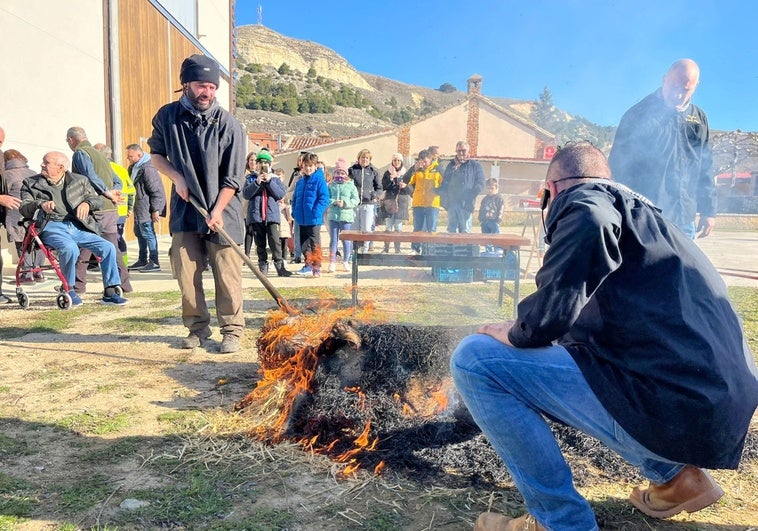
{"type": "Point", "coordinates": [451, 275]}
{"type": "Point", "coordinates": [511, 267]}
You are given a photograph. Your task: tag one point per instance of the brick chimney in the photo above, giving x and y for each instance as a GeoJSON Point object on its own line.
{"type": "Point", "coordinates": [472, 122]}
{"type": "Point", "coordinates": [475, 84]}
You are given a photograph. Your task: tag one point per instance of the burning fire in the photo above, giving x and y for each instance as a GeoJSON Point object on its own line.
{"type": "Point", "coordinates": [288, 354]}
{"type": "Point", "coordinates": [402, 374]}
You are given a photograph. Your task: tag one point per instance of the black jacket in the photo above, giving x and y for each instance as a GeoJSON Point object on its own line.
{"type": "Point", "coordinates": [149, 195]}
{"type": "Point", "coordinates": [646, 317]}
{"type": "Point", "coordinates": [76, 190]}
{"type": "Point", "coordinates": [366, 180]}
{"type": "Point", "coordinates": [665, 155]}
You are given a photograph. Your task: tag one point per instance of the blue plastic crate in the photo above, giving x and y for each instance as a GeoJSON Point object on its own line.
{"type": "Point", "coordinates": [448, 275]}
{"type": "Point", "coordinates": [511, 267]}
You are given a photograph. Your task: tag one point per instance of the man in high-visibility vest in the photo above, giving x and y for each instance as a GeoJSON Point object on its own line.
{"type": "Point", "coordinates": [127, 196]}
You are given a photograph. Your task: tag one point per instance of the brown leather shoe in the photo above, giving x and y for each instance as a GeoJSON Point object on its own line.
{"type": "Point", "coordinates": [690, 490]}
{"type": "Point", "coordinates": [498, 522]}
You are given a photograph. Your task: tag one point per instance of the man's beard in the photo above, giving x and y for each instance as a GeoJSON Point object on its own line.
{"type": "Point", "coordinates": [199, 104]}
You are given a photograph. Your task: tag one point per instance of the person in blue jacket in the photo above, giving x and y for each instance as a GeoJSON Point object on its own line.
{"type": "Point", "coordinates": [309, 202]}
{"type": "Point", "coordinates": [263, 190]}
{"type": "Point", "coordinates": [630, 338]}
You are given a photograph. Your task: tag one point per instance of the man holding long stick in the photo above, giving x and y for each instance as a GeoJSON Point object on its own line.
{"type": "Point", "coordinates": [200, 147]}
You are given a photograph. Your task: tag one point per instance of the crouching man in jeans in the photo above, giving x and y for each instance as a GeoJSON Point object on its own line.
{"type": "Point", "coordinates": [69, 200]}
{"type": "Point", "coordinates": [630, 338]}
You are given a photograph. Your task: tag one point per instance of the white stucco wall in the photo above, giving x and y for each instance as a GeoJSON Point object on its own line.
{"type": "Point", "coordinates": [53, 74]}
{"type": "Point", "coordinates": [213, 29]}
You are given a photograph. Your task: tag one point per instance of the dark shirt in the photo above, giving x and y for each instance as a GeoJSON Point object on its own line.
{"type": "Point", "coordinates": [664, 154]}
{"type": "Point", "coordinates": [208, 149]}
{"type": "Point", "coordinates": [461, 185]}
{"type": "Point", "coordinates": [646, 317]}
{"type": "Point", "coordinates": [491, 208]}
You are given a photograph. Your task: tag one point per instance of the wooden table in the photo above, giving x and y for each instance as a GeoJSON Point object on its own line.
{"type": "Point", "coordinates": [508, 242]}
{"type": "Point", "coordinates": [533, 223]}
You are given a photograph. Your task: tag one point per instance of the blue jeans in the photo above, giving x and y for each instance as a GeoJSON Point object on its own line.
{"type": "Point", "coordinates": [67, 238]}
{"type": "Point", "coordinates": [298, 252]}
{"type": "Point", "coordinates": [147, 242]}
{"type": "Point", "coordinates": [689, 229]}
{"type": "Point", "coordinates": [335, 227]}
{"type": "Point", "coordinates": [508, 389]}
{"type": "Point", "coordinates": [458, 219]}
{"type": "Point", "coordinates": [424, 220]}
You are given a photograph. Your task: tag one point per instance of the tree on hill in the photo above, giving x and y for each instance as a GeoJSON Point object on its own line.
{"type": "Point", "coordinates": [566, 127]}
{"type": "Point", "coordinates": [447, 87]}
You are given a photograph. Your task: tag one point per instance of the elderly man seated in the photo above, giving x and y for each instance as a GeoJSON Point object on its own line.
{"type": "Point", "coordinates": [68, 199]}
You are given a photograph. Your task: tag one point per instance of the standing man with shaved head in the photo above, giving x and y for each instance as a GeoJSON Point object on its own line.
{"type": "Point", "coordinates": [662, 151]}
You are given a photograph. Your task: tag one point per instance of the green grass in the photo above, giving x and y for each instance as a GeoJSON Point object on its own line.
{"type": "Point", "coordinates": [183, 421]}
{"type": "Point", "coordinates": [150, 322]}
{"type": "Point", "coordinates": [200, 495]}
{"type": "Point", "coordinates": [48, 321]}
{"type": "Point", "coordinates": [263, 519]}
{"type": "Point", "coordinates": [745, 301]}
{"type": "Point", "coordinates": [112, 452]}
{"type": "Point", "coordinates": [10, 446]}
{"type": "Point", "coordinates": [15, 497]}
{"type": "Point", "coordinates": [83, 494]}
{"type": "Point", "coordinates": [96, 422]}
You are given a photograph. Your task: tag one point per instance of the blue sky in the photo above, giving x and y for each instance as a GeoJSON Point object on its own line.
{"type": "Point", "coordinates": [597, 57]}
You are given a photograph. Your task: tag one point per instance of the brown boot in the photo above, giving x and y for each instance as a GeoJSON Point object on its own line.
{"type": "Point", "coordinates": [498, 522]}
{"type": "Point", "coordinates": [196, 338]}
{"type": "Point", "coordinates": [690, 490]}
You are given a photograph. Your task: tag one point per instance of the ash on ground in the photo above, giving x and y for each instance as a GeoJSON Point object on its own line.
{"type": "Point", "coordinates": [390, 385]}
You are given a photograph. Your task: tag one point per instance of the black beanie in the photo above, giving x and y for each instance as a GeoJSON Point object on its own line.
{"type": "Point", "coordinates": [200, 68]}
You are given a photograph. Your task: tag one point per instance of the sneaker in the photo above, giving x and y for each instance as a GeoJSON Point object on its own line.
{"type": "Point", "coordinates": [139, 264]}
{"type": "Point", "coordinates": [76, 300]}
{"type": "Point", "coordinates": [332, 267]}
{"type": "Point", "coordinates": [39, 277]}
{"type": "Point", "coordinates": [306, 270]}
{"type": "Point", "coordinates": [346, 266]}
{"type": "Point", "coordinates": [113, 300]}
{"type": "Point", "coordinates": [26, 278]}
{"type": "Point", "coordinates": [316, 273]}
{"type": "Point", "coordinates": [151, 267]}
{"type": "Point", "coordinates": [229, 344]}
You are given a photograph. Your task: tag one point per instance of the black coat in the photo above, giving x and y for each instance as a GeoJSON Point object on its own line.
{"type": "Point", "coordinates": [366, 180]}
{"type": "Point", "coordinates": [665, 155]}
{"type": "Point", "coordinates": [149, 195]}
{"type": "Point", "coordinates": [392, 190]}
{"type": "Point", "coordinates": [646, 317]}
{"type": "Point", "coordinates": [77, 189]}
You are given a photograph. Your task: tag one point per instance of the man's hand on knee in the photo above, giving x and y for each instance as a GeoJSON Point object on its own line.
{"type": "Point", "coordinates": [497, 330]}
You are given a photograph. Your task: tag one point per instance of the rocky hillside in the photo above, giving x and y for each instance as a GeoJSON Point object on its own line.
{"type": "Point", "coordinates": [258, 45]}
{"type": "Point", "coordinates": [261, 45]}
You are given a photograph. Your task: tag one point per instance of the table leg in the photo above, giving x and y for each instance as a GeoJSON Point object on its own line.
{"type": "Point", "coordinates": [354, 275]}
